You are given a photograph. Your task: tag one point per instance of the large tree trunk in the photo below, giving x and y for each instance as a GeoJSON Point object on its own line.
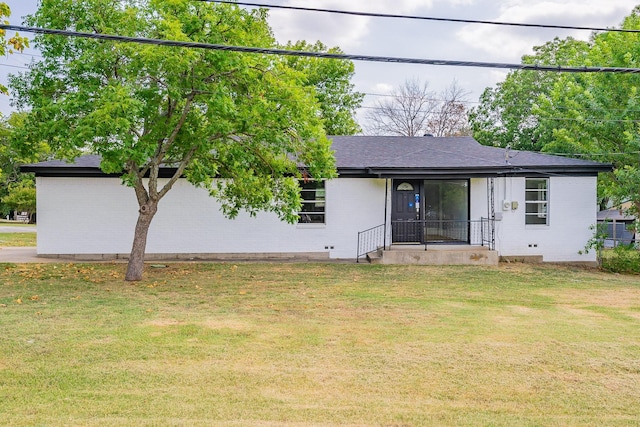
{"type": "Point", "coordinates": [135, 268]}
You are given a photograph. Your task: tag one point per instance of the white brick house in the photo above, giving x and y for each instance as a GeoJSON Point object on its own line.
{"type": "Point", "coordinates": [417, 193]}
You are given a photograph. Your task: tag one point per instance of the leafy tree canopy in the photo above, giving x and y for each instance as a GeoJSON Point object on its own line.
{"type": "Point", "coordinates": [11, 44]}
{"type": "Point", "coordinates": [251, 118]}
{"type": "Point", "coordinates": [21, 197]}
{"type": "Point", "coordinates": [592, 115]}
{"type": "Point", "coordinates": [334, 90]}
{"type": "Point", "coordinates": [11, 158]}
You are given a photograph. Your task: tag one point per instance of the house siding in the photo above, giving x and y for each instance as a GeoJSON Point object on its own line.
{"type": "Point", "coordinates": [98, 216]}
{"type": "Point", "coordinates": [572, 211]}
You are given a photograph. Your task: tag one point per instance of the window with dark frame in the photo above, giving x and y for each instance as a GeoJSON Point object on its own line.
{"type": "Point", "coordinates": [536, 201]}
{"type": "Point", "coordinates": [313, 202]}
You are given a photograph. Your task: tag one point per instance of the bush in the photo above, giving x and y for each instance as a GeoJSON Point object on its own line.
{"type": "Point", "coordinates": [621, 259]}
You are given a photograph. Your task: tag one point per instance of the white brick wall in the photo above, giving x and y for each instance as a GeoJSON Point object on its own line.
{"type": "Point", "coordinates": [572, 210]}
{"type": "Point", "coordinates": [98, 216]}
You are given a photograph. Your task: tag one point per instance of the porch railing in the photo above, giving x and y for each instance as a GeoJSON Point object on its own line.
{"type": "Point", "coordinates": [488, 232]}
{"type": "Point", "coordinates": [479, 232]}
{"type": "Point", "coordinates": [370, 240]}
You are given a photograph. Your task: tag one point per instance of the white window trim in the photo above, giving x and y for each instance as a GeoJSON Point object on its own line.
{"type": "Point", "coordinates": [543, 203]}
{"type": "Point", "coordinates": [318, 203]}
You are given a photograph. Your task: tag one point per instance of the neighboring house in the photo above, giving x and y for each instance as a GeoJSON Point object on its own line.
{"type": "Point", "coordinates": [420, 199]}
{"type": "Point", "coordinates": [620, 227]}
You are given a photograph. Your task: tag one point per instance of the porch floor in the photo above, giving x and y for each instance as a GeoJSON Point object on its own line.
{"type": "Point", "coordinates": [435, 254]}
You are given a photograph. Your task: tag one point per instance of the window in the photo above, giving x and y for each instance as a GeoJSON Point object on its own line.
{"type": "Point", "coordinates": [313, 202]}
{"type": "Point", "coordinates": [405, 186]}
{"type": "Point", "coordinates": [537, 201]}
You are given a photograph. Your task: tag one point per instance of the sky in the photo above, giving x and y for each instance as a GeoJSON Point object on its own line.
{"type": "Point", "coordinates": [413, 38]}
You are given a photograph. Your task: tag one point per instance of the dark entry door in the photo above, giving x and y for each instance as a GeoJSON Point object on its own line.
{"type": "Point", "coordinates": [405, 217]}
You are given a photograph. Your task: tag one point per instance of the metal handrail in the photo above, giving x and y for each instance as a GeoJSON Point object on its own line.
{"type": "Point", "coordinates": [370, 240]}
{"type": "Point", "coordinates": [479, 232]}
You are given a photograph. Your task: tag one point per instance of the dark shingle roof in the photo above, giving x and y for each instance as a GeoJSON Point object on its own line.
{"type": "Point", "coordinates": [388, 156]}
{"type": "Point", "coordinates": [614, 215]}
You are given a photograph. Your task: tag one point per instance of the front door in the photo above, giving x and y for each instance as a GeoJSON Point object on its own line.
{"type": "Point", "coordinates": [430, 211]}
{"type": "Point", "coordinates": [405, 216]}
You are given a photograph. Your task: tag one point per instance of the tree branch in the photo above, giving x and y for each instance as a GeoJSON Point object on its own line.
{"type": "Point", "coordinates": [163, 147]}
{"type": "Point", "coordinates": [178, 173]}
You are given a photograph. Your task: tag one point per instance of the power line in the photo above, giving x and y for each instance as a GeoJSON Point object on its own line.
{"type": "Point", "coordinates": [326, 55]}
{"type": "Point", "coordinates": [590, 154]}
{"type": "Point", "coordinates": [424, 18]}
{"type": "Point", "coordinates": [14, 66]}
{"type": "Point", "coordinates": [537, 118]}
{"type": "Point", "coordinates": [468, 102]}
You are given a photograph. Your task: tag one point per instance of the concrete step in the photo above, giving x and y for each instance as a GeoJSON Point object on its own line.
{"type": "Point", "coordinates": [468, 255]}
{"type": "Point", "coordinates": [375, 257]}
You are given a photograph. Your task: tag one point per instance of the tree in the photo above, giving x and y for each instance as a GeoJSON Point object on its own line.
{"type": "Point", "coordinates": [601, 113]}
{"type": "Point", "coordinates": [414, 110]}
{"type": "Point", "coordinates": [11, 157]}
{"type": "Point", "coordinates": [208, 114]}
{"type": "Point", "coordinates": [594, 116]}
{"type": "Point", "coordinates": [8, 164]}
{"type": "Point", "coordinates": [332, 80]}
{"type": "Point", "coordinates": [507, 114]}
{"type": "Point", "coordinates": [22, 198]}
{"type": "Point", "coordinates": [450, 117]}
{"type": "Point", "coordinates": [16, 42]}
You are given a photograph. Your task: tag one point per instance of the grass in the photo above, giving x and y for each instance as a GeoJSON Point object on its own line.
{"type": "Point", "coordinates": [318, 345]}
{"type": "Point", "coordinates": [18, 239]}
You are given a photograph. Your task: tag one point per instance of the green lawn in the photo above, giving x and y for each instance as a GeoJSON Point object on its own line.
{"type": "Point", "coordinates": [318, 345]}
{"type": "Point", "coordinates": [17, 239]}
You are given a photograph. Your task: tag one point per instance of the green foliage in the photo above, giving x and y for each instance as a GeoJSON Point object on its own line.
{"type": "Point", "coordinates": [12, 44]}
{"type": "Point", "coordinates": [509, 113]}
{"type": "Point", "coordinates": [14, 154]}
{"type": "Point", "coordinates": [624, 258]}
{"type": "Point", "coordinates": [591, 115]}
{"type": "Point", "coordinates": [332, 80]}
{"type": "Point", "coordinates": [21, 197]}
{"type": "Point", "coordinates": [252, 119]}
{"type": "Point", "coordinates": [210, 112]}
{"type": "Point", "coordinates": [596, 242]}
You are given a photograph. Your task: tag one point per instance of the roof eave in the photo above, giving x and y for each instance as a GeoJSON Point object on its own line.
{"type": "Point", "coordinates": [479, 172]}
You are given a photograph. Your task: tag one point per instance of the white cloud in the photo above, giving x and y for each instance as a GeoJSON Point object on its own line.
{"type": "Point", "coordinates": [512, 42]}
{"type": "Point", "coordinates": [383, 88]}
{"type": "Point", "coordinates": [346, 31]}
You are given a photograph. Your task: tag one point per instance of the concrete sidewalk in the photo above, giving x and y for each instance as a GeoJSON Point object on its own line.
{"type": "Point", "coordinates": [20, 255]}
{"type": "Point", "coordinates": [17, 228]}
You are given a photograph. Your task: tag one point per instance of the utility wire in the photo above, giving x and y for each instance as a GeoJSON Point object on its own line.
{"type": "Point", "coordinates": [537, 118]}
{"type": "Point", "coordinates": [424, 18]}
{"type": "Point", "coordinates": [326, 55]}
{"type": "Point", "coordinates": [14, 66]}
